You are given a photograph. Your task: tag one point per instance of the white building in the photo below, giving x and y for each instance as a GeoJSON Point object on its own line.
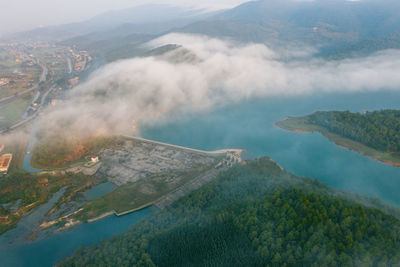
{"type": "Point", "coordinates": [94, 159]}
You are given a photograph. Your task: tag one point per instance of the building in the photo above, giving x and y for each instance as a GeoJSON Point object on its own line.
{"type": "Point", "coordinates": [94, 159]}
{"type": "Point", "coordinates": [74, 81]}
{"type": "Point", "coordinates": [5, 161]}
{"type": "Point", "coordinates": [4, 81]}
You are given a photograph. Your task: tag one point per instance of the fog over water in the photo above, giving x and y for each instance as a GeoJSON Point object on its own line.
{"type": "Point", "coordinates": [213, 94]}
{"type": "Point", "coordinates": [205, 73]}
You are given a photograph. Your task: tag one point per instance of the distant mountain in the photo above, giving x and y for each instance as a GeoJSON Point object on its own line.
{"type": "Point", "coordinates": [145, 14]}
{"type": "Point", "coordinates": [144, 19]}
{"type": "Point", "coordinates": [316, 22]}
{"type": "Point", "coordinates": [237, 30]}
{"type": "Point", "coordinates": [362, 47]}
{"type": "Point", "coordinates": [340, 28]}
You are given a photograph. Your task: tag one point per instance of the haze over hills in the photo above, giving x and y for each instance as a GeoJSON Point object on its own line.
{"type": "Point", "coordinates": [146, 19]}
{"type": "Point", "coordinates": [320, 23]}
{"type": "Point", "coordinates": [80, 106]}
{"type": "Point", "coordinates": [313, 22]}
{"type": "Point", "coordinates": [336, 27]}
{"type": "Point", "coordinates": [350, 20]}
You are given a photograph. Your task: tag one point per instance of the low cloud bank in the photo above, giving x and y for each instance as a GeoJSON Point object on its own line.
{"type": "Point", "coordinates": [146, 90]}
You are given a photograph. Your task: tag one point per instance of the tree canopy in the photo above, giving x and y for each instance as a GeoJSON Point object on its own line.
{"type": "Point", "coordinates": [377, 129]}
{"type": "Point", "coordinates": [255, 215]}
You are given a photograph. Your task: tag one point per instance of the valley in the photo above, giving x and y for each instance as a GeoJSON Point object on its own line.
{"type": "Point", "coordinates": [33, 75]}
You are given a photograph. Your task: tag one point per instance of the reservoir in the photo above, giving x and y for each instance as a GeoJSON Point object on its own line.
{"type": "Point", "coordinates": [250, 125]}
{"type": "Point", "coordinates": [247, 125]}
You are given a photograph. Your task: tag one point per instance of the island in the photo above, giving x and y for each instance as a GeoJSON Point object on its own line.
{"type": "Point", "coordinates": [375, 134]}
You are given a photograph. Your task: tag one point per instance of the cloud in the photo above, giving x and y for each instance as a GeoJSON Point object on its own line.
{"type": "Point", "coordinates": [153, 89]}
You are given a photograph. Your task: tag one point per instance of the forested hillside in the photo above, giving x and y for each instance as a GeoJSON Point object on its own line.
{"type": "Point", "coordinates": [255, 214]}
{"type": "Point", "coordinates": [378, 129]}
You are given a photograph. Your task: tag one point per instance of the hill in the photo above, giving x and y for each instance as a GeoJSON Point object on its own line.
{"type": "Point", "coordinates": [338, 27]}
{"type": "Point", "coordinates": [255, 214]}
{"type": "Point", "coordinates": [142, 19]}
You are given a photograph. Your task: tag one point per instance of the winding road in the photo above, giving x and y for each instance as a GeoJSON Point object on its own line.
{"type": "Point", "coordinates": [42, 78]}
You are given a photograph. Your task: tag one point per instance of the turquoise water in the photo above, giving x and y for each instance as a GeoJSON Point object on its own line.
{"type": "Point", "coordinates": [248, 125]}
{"type": "Point", "coordinates": [16, 250]}
{"type": "Point", "coordinates": [26, 164]}
{"type": "Point", "coordinates": [48, 251]}
{"type": "Point", "coordinates": [28, 223]}
{"type": "Point", "coordinates": [99, 191]}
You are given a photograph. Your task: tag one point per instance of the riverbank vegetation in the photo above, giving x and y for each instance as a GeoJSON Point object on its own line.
{"type": "Point", "coordinates": [21, 192]}
{"type": "Point", "coordinates": [255, 215]}
{"type": "Point", "coordinates": [139, 194]}
{"type": "Point", "coordinates": [59, 151]}
{"type": "Point", "coordinates": [17, 147]}
{"type": "Point", "coordinates": [375, 134]}
{"type": "Point", "coordinates": [377, 129]}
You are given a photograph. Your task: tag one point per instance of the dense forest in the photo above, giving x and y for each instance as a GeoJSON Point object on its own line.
{"type": "Point", "coordinates": [255, 215]}
{"type": "Point", "coordinates": [364, 47]}
{"type": "Point", "coordinates": [378, 129]}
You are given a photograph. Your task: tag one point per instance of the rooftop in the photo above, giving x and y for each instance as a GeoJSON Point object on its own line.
{"type": "Point", "coordinates": [5, 161]}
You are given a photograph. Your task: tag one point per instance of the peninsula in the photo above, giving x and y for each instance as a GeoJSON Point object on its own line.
{"type": "Point", "coordinates": [375, 134]}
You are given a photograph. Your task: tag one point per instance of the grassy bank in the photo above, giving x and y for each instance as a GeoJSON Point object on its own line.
{"type": "Point", "coordinates": [32, 190]}
{"type": "Point", "coordinates": [11, 113]}
{"type": "Point", "coordinates": [59, 152]}
{"type": "Point", "coordinates": [136, 195]}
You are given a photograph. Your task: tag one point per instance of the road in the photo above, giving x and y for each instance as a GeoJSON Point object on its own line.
{"type": "Point", "coordinates": [34, 115]}
{"type": "Point", "coordinates": [43, 78]}
{"type": "Point", "coordinates": [69, 65]}
{"type": "Point", "coordinates": [84, 63]}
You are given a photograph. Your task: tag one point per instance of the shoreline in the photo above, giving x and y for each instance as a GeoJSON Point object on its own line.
{"type": "Point", "coordinates": [113, 212]}
{"type": "Point", "coordinates": [337, 139]}
{"type": "Point", "coordinates": [157, 203]}
{"type": "Point", "coordinates": [68, 221]}
{"type": "Point", "coordinates": [194, 150]}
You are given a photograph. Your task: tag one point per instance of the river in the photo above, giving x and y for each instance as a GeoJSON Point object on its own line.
{"type": "Point", "coordinates": [50, 250]}
{"type": "Point", "coordinates": [46, 250]}
{"type": "Point", "coordinates": [248, 125]}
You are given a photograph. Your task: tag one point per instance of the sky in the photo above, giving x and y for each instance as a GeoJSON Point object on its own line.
{"type": "Point", "coordinates": [17, 15]}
